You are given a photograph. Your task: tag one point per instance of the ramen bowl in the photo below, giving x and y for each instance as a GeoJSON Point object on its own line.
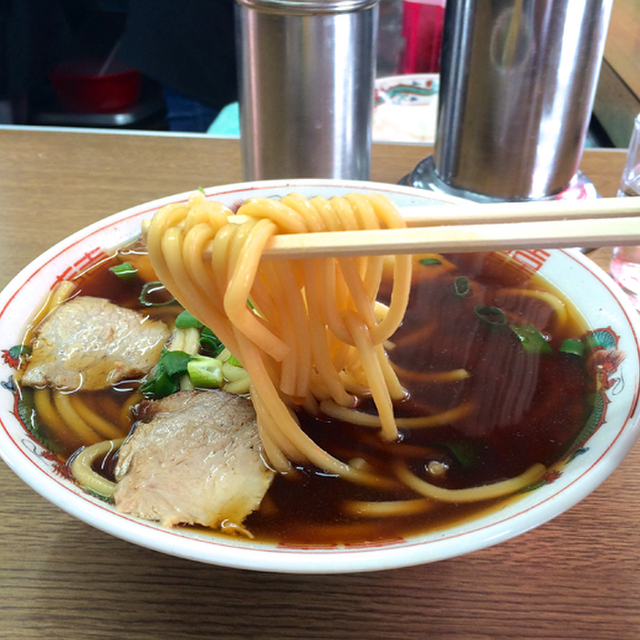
{"type": "Point", "coordinates": [406, 108]}
{"type": "Point", "coordinates": [607, 436]}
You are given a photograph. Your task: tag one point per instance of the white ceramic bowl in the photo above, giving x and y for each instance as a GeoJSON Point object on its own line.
{"type": "Point", "coordinates": [406, 108]}
{"type": "Point", "coordinates": [588, 287]}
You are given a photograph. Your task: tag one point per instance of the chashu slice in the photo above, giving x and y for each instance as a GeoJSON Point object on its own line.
{"type": "Point", "coordinates": [91, 343]}
{"type": "Point", "coordinates": [196, 461]}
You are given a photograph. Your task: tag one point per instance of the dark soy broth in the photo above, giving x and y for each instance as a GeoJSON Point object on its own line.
{"type": "Point", "coordinates": [525, 408]}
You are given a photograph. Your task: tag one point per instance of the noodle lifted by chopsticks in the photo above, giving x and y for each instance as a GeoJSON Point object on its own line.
{"type": "Point", "coordinates": [305, 330]}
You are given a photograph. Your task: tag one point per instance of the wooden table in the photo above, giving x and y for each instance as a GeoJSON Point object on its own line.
{"type": "Point", "coordinates": [575, 577]}
{"type": "Point", "coordinates": [617, 100]}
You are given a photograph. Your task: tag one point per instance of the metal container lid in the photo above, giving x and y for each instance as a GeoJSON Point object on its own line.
{"type": "Point", "coordinates": [308, 7]}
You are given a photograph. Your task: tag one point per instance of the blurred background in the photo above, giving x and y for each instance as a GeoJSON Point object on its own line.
{"type": "Point", "coordinates": [170, 66]}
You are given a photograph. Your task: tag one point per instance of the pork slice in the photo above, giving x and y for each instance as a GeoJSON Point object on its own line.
{"type": "Point", "coordinates": [92, 343]}
{"type": "Point", "coordinates": [197, 461]}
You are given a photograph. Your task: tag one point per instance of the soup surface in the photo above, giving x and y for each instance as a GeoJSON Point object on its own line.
{"type": "Point", "coordinates": [491, 351]}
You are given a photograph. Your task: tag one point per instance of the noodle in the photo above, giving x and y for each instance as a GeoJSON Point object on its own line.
{"type": "Point", "coordinates": [305, 331]}
{"type": "Point", "coordinates": [424, 333]}
{"type": "Point", "coordinates": [387, 508]}
{"type": "Point", "coordinates": [94, 421]}
{"type": "Point", "coordinates": [558, 307]}
{"type": "Point", "coordinates": [125, 412]}
{"type": "Point", "coordinates": [232, 373]}
{"type": "Point", "coordinates": [187, 340]}
{"type": "Point", "coordinates": [62, 403]}
{"type": "Point", "coordinates": [310, 333]}
{"type": "Point", "coordinates": [471, 494]}
{"type": "Point", "coordinates": [307, 341]}
{"type": "Point", "coordinates": [59, 294]}
{"type": "Point", "coordinates": [81, 467]}
{"type": "Point", "coordinates": [367, 420]}
{"type": "Point", "coordinates": [453, 375]}
{"type": "Point", "coordinates": [239, 387]}
{"type": "Point", "coordinates": [52, 420]}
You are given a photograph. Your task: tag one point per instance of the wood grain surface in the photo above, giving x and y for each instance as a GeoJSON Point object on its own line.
{"type": "Point", "coordinates": [576, 577]}
{"type": "Point", "coordinates": [617, 100]}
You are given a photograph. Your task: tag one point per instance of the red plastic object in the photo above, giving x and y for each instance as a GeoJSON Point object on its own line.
{"type": "Point", "coordinates": [81, 89]}
{"type": "Point", "coordinates": [422, 25]}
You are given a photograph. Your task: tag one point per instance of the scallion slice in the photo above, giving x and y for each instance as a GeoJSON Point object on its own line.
{"type": "Point", "coordinates": [205, 372]}
{"type": "Point", "coordinates": [20, 351]}
{"type": "Point", "coordinates": [573, 347]}
{"type": "Point", "coordinates": [531, 339]}
{"type": "Point", "coordinates": [166, 380]}
{"type": "Point", "coordinates": [209, 340]}
{"type": "Point", "coordinates": [234, 361]}
{"type": "Point", "coordinates": [462, 286]}
{"type": "Point", "coordinates": [464, 453]}
{"type": "Point", "coordinates": [124, 270]}
{"type": "Point", "coordinates": [186, 320]}
{"type": "Point", "coordinates": [491, 315]}
{"type": "Point", "coordinates": [175, 362]}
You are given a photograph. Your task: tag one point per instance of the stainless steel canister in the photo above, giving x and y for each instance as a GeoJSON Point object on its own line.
{"type": "Point", "coordinates": [518, 79]}
{"type": "Point", "coordinates": [307, 71]}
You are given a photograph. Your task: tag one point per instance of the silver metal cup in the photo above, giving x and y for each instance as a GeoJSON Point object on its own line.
{"type": "Point", "coordinates": [518, 79]}
{"type": "Point", "coordinates": [307, 71]}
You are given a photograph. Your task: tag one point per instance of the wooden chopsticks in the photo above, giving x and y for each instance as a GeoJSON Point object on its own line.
{"type": "Point", "coordinates": [529, 211]}
{"type": "Point", "coordinates": [479, 227]}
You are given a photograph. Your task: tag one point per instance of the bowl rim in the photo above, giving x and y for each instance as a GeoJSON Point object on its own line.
{"type": "Point", "coordinates": [314, 560]}
{"type": "Point", "coordinates": [403, 77]}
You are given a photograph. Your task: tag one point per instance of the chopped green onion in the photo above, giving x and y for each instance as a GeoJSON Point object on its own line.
{"type": "Point", "coordinates": [201, 190]}
{"type": "Point", "coordinates": [165, 385]}
{"type": "Point", "coordinates": [463, 452]}
{"type": "Point", "coordinates": [166, 380]}
{"type": "Point", "coordinates": [233, 360]}
{"type": "Point", "coordinates": [205, 372]}
{"type": "Point", "coordinates": [20, 350]}
{"type": "Point", "coordinates": [124, 270]}
{"type": "Point", "coordinates": [491, 315]}
{"type": "Point", "coordinates": [211, 341]}
{"type": "Point", "coordinates": [532, 340]}
{"type": "Point", "coordinates": [430, 261]}
{"type": "Point", "coordinates": [160, 385]}
{"type": "Point", "coordinates": [573, 347]}
{"type": "Point", "coordinates": [149, 289]}
{"type": "Point", "coordinates": [462, 286]}
{"type": "Point", "coordinates": [175, 362]}
{"type": "Point", "coordinates": [187, 321]}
